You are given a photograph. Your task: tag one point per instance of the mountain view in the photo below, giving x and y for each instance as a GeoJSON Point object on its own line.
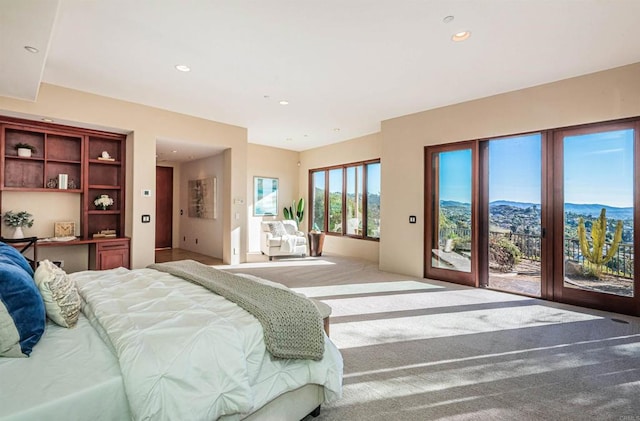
{"type": "Point", "coordinates": [524, 218]}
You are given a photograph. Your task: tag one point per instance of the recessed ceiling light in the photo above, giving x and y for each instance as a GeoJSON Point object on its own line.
{"type": "Point", "coordinates": [447, 19]}
{"type": "Point", "coordinates": [337, 129]}
{"type": "Point", "coordinates": [284, 102]}
{"type": "Point", "coordinates": [31, 49]}
{"type": "Point", "coordinates": [48, 120]}
{"type": "Point", "coordinates": [289, 139]}
{"type": "Point", "coordinates": [183, 68]}
{"type": "Point", "coordinates": [461, 36]}
{"type": "Point", "coordinates": [174, 151]}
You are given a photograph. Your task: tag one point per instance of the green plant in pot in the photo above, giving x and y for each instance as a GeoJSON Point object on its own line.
{"type": "Point", "coordinates": [18, 220]}
{"type": "Point", "coordinates": [24, 149]}
{"type": "Point", "coordinates": [295, 211]}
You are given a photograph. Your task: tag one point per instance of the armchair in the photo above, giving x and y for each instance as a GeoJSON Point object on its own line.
{"type": "Point", "coordinates": [282, 238]}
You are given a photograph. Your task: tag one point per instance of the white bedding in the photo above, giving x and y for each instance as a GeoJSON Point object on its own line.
{"type": "Point", "coordinates": [167, 335]}
{"type": "Point", "coordinates": [71, 375]}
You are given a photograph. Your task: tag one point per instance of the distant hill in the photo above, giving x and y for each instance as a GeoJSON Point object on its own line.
{"type": "Point", "coordinates": [592, 209]}
{"type": "Point", "coordinates": [453, 204]}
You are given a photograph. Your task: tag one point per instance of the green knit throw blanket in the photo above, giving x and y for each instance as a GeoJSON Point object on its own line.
{"type": "Point", "coordinates": [292, 324]}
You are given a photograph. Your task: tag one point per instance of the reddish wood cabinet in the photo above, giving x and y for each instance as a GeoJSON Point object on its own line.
{"type": "Point", "coordinates": [69, 159]}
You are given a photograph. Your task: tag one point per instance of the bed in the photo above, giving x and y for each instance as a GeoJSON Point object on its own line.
{"type": "Point", "coordinates": [151, 345]}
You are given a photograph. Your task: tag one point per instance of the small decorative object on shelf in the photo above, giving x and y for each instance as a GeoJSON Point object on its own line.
{"type": "Point", "coordinates": [103, 202]}
{"type": "Point", "coordinates": [52, 183]}
{"type": "Point", "coordinates": [63, 181]}
{"type": "Point", "coordinates": [72, 184]}
{"type": "Point", "coordinates": [17, 221]}
{"type": "Point", "coordinates": [105, 157]}
{"type": "Point", "coordinates": [25, 150]}
{"type": "Point", "coordinates": [105, 234]}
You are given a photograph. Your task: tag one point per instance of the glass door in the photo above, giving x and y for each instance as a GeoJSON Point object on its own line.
{"type": "Point", "coordinates": [450, 213]}
{"type": "Point", "coordinates": [595, 241]}
{"type": "Point", "coordinates": [515, 209]}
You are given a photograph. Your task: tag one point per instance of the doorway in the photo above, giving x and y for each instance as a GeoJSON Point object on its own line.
{"type": "Point", "coordinates": [164, 207]}
{"type": "Point", "coordinates": [552, 214]}
{"type": "Point", "coordinates": [595, 234]}
{"type": "Point", "coordinates": [514, 208]}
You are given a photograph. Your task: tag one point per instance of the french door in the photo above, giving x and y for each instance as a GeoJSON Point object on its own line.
{"type": "Point", "coordinates": [595, 216]}
{"type": "Point", "coordinates": [451, 213]}
{"type": "Point", "coordinates": [551, 214]}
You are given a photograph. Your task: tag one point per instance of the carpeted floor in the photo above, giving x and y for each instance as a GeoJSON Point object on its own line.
{"type": "Point", "coordinates": [425, 350]}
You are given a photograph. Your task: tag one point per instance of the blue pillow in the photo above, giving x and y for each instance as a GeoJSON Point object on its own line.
{"type": "Point", "coordinates": [22, 314]}
{"type": "Point", "coordinates": [10, 254]}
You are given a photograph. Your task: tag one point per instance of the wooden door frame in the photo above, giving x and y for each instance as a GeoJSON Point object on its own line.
{"type": "Point", "coordinates": [431, 191]}
{"type": "Point", "coordinates": [602, 301]}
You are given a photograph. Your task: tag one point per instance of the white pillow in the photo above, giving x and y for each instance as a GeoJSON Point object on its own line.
{"type": "Point", "coordinates": [61, 299]}
{"type": "Point", "coordinates": [276, 228]}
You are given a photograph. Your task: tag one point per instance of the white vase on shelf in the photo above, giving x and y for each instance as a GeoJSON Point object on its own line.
{"type": "Point", "coordinates": [18, 233]}
{"type": "Point", "coordinates": [25, 152]}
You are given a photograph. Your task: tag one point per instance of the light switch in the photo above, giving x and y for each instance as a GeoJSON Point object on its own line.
{"type": "Point", "coordinates": [146, 219]}
{"type": "Point", "coordinates": [412, 219]}
{"type": "Point", "coordinates": [146, 192]}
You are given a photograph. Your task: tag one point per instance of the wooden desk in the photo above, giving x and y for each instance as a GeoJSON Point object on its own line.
{"type": "Point", "coordinates": [104, 253]}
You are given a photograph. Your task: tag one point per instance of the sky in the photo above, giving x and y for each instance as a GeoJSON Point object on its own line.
{"type": "Point", "coordinates": [598, 168]}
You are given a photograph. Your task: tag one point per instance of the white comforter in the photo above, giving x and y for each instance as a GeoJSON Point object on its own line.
{"type": "Point", "coordinates": [186, 353]}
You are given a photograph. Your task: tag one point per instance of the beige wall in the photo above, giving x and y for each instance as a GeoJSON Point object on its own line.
{"type": "Point", "coordinates": [600, 96]}
{"type": "Point", "coordinates": [270, 162]}
{"type": "Point", "coordinates": [200, 235]}
{"type": "Point", "coordinates": [359, 149]}
{"type": "Point", "coordinates": [144, 125]}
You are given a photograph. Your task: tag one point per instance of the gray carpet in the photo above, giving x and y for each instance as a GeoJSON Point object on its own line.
{"type": "Point", "coordinates": [426, 350]}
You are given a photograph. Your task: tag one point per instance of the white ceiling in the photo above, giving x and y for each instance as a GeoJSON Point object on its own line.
{"type": "Point", "coordinates": [343, 65]}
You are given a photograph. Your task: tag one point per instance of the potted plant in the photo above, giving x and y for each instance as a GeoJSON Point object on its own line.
{"type": "Point", "coordinates": [17, 221]}
{"type": "Point", "coordinates": [24, 149]}
{"type": "Point", "coordinates": [295, 211]}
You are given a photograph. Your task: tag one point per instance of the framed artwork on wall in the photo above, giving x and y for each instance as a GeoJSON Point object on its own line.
{"type": "Point", "coordinates": [265, 196]}
{"type": "Point", "coordinates": [202, 198]}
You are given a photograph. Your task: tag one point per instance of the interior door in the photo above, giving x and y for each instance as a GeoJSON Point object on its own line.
{"type": "Point", "coordinates": [164, 207]}
{"type": "Point", "coordinates": [451, 212]}
{"type": "Point", "coordinates": [595, 219]}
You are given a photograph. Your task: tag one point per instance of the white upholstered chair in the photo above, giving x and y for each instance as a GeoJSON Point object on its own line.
{"type": "Point", "coordinates": [282, 238]}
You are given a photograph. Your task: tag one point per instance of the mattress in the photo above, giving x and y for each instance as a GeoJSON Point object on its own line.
{"type": "Point", "coordinates": [70, 375]}
{"type": "Point", "coordinates": [75, 374]}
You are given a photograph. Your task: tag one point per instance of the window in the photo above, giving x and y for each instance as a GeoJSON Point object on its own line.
{"type": "Point", "coordinates": [352, 192]}
{"type": "Point", "coordinates": [317, 197]}
{"type": "Point", "coordinates": [335, 200]}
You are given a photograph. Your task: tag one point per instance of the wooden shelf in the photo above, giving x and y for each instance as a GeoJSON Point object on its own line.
{"type": "Point", "coordinates": [25, 158]}
{"type": "Point", "coordinates": [73, 151]}
{"type": "Point", "coordinates": [101, 162]}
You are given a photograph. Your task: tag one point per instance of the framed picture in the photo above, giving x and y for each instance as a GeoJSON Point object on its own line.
{"type": "Point", "coordinates": [202, 198]}
{"type": "Point", "coordinates": [64, 229]}
{"type": "Point", "coordinates": [265, 196]}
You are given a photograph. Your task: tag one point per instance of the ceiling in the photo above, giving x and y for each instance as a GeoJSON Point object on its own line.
{"type": "Point", "coordinates": [343, 66]}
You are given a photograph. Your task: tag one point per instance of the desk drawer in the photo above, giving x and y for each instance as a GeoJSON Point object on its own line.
{"type": "Point", "coordinates": [112, 245]}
